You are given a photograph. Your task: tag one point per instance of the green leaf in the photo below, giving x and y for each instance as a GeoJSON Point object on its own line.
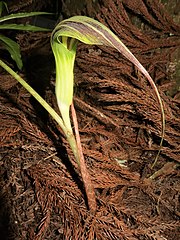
{"type": "Point", "coordinates": [13, 48]}
{"type": "Point", "coordinates": [23, 27]}
{"type": "Point", "coordinates": [90, 31]}
{"type": "Point", "coordinates": [2, 6]}
{"type": "Point", "coordinates": [22, 15]}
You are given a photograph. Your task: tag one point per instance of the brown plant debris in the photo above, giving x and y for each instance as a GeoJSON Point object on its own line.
{"type": "Point", "coordinates": [42, 195]}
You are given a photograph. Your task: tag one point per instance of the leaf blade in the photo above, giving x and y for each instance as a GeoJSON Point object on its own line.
{"type": "Point", "coordinates": [23, 27]}
{"type": "Point", "coordinates": [22, 15]}
{"type": "Point", "coordinates": [13, 48]}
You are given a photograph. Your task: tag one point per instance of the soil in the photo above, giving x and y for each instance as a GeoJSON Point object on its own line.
{"type": "Point", "coordinates": [42, 194]}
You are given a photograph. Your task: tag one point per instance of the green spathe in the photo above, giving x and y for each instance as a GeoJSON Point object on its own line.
{"type": "Point", "coordinates": [64, 59]}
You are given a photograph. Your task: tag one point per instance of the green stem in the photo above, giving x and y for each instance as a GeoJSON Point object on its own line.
{"type": "Point", "coordinates": [50, 110]}
{"type": "Point", "coordinates": [72, 142]}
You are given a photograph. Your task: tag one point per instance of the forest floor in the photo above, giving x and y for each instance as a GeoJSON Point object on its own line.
{"type": "Point", "coordinates": [42, 194]}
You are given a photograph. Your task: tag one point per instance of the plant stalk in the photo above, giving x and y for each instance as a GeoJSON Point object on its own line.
{"type": "Point", "coordinates": [90, 192]}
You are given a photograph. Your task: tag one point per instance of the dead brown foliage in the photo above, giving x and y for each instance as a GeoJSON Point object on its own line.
{"type": "Point", "coordinates": [120, 127]}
